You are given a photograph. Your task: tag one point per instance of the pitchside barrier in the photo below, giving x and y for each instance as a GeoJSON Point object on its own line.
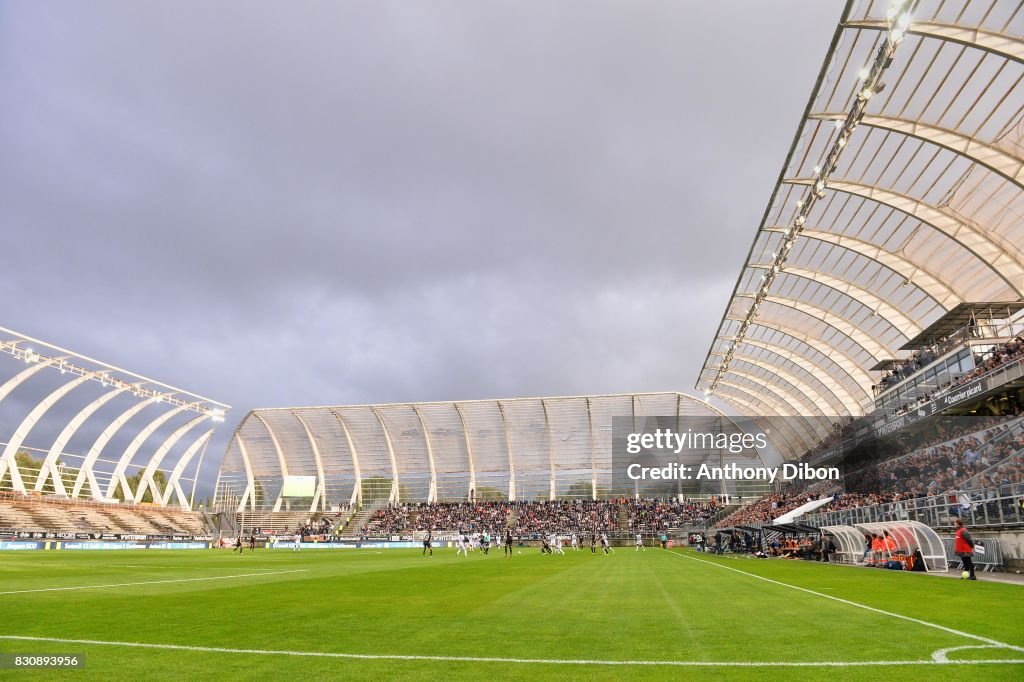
{"type": "Point", "coordinates": [1002, 507]}
{"type": "Point", "coordinates": [988, 555]}
{"type": "Point", "coordinates": [94, 545]}
{"type": "Point", "coordinates": [385, 544]}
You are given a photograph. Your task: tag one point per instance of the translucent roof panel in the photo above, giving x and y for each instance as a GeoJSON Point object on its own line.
{"type": "Point", "coordinates": [902, 196]}
{"type": "Point", "coordinates": [520, 448]}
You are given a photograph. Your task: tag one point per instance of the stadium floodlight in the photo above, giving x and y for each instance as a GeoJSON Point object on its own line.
{"type": "Point", "coordinates": [22, 347]}
{"type": "Point", "coordinates": [869, 76]}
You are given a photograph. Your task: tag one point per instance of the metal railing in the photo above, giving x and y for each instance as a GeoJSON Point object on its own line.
{"type": "Point", "coordinates": [985, 330]}
{"type": "Point", "coordinates": [992, 508]}
{"type": "Point", "coordinates": [990, 560]}
{"type": "Point", "coordinates": [864, 427]}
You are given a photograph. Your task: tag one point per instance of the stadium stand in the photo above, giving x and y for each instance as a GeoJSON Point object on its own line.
{"type": "Point", "coordinates": [982, 459]}
{"type": "Point", "coordinates": [55, 515]}
{"type": "Point", "coordinates": [289, 522]}
{"type": "Point", "coordinates": [527, 519]}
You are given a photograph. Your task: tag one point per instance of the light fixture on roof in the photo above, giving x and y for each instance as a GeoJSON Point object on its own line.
{"type": "Point", "coordinates": [869, 84]}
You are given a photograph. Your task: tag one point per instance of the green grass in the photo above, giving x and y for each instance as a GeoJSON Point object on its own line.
{"type": "Point", "coordinates": [652, 606]}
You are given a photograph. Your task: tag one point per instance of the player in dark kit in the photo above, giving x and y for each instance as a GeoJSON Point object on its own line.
{"type": "Point", "coordinates": [508, 542]}
{"type": "Point", "coordinates": [252, 542]}
{"type": "Point", "coordinates": [428, 544]}
{"type": "Point", "coordinates": [593, 543]}
{"type": "Point", "coordinates": [239, 545]}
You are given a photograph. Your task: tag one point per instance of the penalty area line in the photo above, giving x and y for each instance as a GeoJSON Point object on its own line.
{"type": "Point", "coordinates": [486, 659]}
{"type": "Point", "coordinates": [154, 582]}
{"type": "Point", "coordinates": [978, 638]}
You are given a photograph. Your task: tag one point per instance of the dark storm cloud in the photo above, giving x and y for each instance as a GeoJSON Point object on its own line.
{"type": "Point", "coordinates": [330, 202]}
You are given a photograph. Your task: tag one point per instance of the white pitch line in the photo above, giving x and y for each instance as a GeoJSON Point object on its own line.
{"type": "Point", "coordinates": [485, 659]}
{"type": "Point", "coordinates": [153, 582]}
{"type": "Point", "coordinates": [942, 655]}
{"type": "Point", "coordinates": [961, 633]}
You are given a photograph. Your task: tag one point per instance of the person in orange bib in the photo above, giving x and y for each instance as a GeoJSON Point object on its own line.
{"type": "Point", "coordinates": [877, 547]}
{"type": "Point", "coordinates": [964, 548]}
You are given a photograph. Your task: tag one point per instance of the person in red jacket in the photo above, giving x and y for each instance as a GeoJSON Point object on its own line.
{"type": "Point", "coordinates": [964, 547]}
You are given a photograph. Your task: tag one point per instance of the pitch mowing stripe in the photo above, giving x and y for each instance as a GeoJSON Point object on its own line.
{"type": "Point", "coordinates": [486, 659]}
{"type": "Point", "coordinates": [154, 582]}
{"type": "Point", "coordinates": [961, 633]}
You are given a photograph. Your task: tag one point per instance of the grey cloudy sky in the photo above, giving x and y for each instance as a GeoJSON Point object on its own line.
{"type": "Point", "coordinates": [341, 202]}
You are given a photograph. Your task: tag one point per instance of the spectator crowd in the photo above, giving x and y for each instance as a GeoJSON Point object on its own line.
{"type": "Point", "coordinates": [966, 456]}
{"type": "Point", "coordinates": [531, 518]}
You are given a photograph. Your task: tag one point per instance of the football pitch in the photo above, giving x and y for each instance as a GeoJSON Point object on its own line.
{"type": "Point", "coordinates": [393, 614]}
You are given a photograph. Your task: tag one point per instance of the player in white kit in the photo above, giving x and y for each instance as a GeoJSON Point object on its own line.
{"type": "Point", "coordinates": [297, 543]}
{"type": "Point", "coordinates": [558, 544]}
{"type": "Point", "coordinates": [640, 543]}
{"type": "Point", "coordinates": [575, 543]}
{"type": "Point", "coordinates": [461, 545]}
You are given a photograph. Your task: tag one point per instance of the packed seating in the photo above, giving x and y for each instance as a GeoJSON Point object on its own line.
{"type": "Point", "coordinates": [654, 515]}
{"type": "Point", "coordinates": [1007, 352]}
{"type": "Point", "coordinates": [578, 516]}
{"type": "Point", "coordinates": [967, 454]}
{"type": "Point", "coordinates": [469, 516]}
{"type": "Point", "coordinates": [528, 518]}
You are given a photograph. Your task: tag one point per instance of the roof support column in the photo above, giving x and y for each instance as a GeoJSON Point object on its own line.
{"type": "Point", "coordinates": [321, 495]}
{"type": "Point", "coordinates": [469, 453]}
{"type": "Point", "coordinates": [393, 497]}
{"type": "Point", "coordinates": [511, 461]}
{"type": "Point", "coordinates": [357, 490]}
{"type": "Point", "coordinates": [432, 492]}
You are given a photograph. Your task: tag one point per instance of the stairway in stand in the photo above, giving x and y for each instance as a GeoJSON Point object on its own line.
{"type": "Point", "coordinates": [354, 527]}
{"type": "Point", "coordinates": [723, 513]}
